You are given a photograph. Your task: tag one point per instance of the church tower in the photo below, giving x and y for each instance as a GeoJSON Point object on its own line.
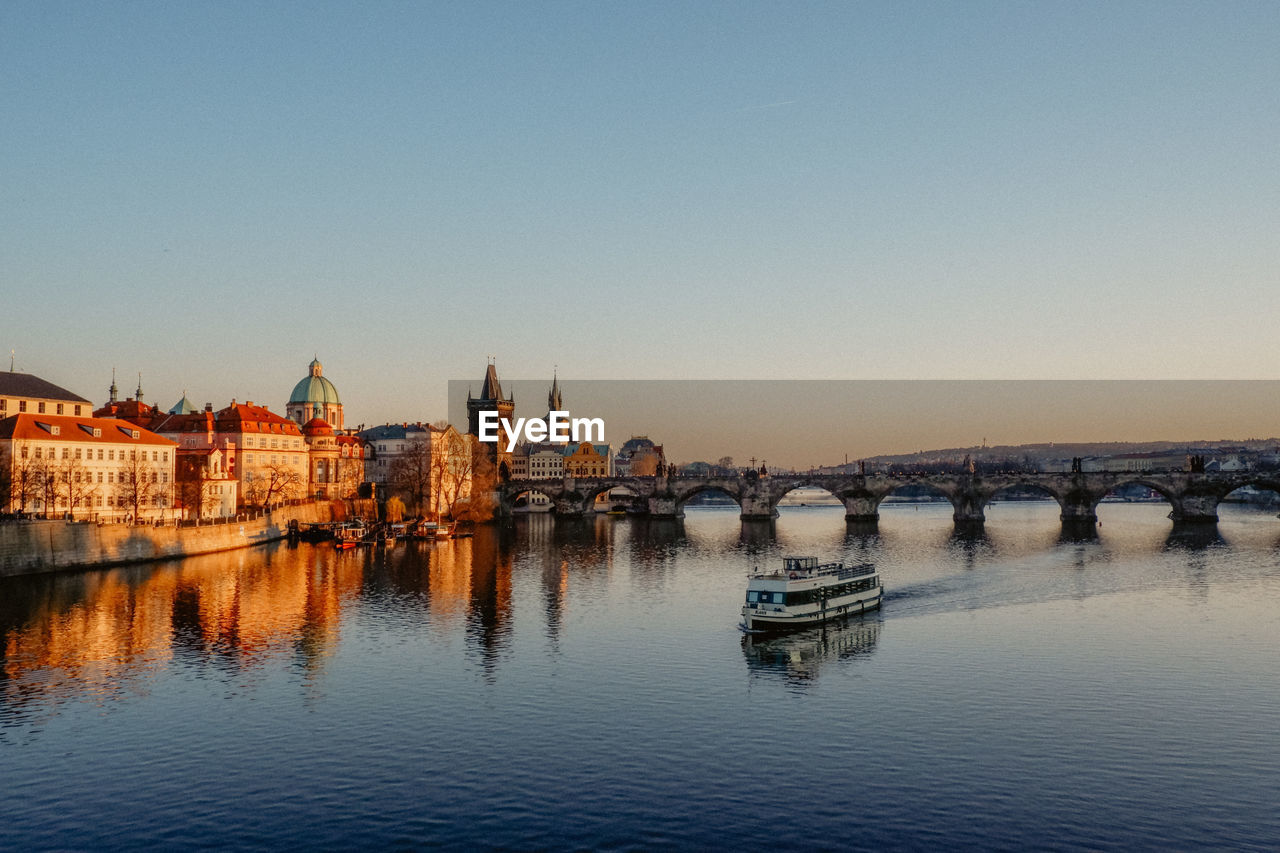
{"type": "Point", "coordinates": [490, 400]}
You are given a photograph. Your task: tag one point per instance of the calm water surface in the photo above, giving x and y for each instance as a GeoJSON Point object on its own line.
{"type": "Point", "coordinates": [584, 686]}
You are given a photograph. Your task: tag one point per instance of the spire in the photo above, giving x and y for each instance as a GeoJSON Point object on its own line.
{"type": "Point", "coordinates": [553, 396]}
{"type": "Point", "coordinates": [113, 393]}
{"type": "Point", "coordinates": [492, 389]}
{"type": "Point", "coordinates": [137, 395]}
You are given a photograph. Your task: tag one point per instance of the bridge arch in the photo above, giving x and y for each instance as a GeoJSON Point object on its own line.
{"type": "Point", "coordinates": [683, 495]}
{"type": "Point", "coordinates": [1025, 485]}
{"type": "Point", "coordinates": [1260, 492]}
{"type": "Point", "coordinates": [966, 505]}
{"type": "Point", "coordinates": [529, 500]}
{"type": "Point", "coordinates": [1199, 504]}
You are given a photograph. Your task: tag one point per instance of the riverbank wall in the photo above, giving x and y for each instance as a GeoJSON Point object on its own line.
{"type": "Point", "coordinates": [32, 547]}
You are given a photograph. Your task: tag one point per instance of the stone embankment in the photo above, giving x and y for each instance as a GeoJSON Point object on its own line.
{"type": "Point", "coordinates": [31, 547]}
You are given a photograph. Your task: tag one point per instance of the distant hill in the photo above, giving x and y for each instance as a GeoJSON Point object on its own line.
{"type": "Point", "coordinates": [1060, 450]}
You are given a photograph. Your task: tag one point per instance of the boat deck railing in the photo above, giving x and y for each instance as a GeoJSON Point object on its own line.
{"type": "Point", "coordinates": [839, 570]}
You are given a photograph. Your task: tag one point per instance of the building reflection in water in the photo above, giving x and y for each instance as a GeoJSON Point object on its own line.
{"type": "Point", "coordinates": [798, 658]}
{"type": "Point", "coordinates": [103, 632]}
{"type": "Point", "coordinates": [489, 605]}
{"type": "Point", "coordinates": [228, 612]}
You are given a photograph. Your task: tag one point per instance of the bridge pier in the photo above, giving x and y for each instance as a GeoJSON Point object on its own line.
{"type": "Point", "coordinates": [1079, 511]}
{"type": "Point", "coordinates": [665, 506]}
{"type": "Point", "coordinates": [569, 507]}
{"type": "Point", "coordinates": [1195, 509]}
{"type": "Point", "coordinates": [968, 514]}
{"type": "Point", "coordinates": [861, 510]}
{"type": "Point", "coordinates": [757, 507]}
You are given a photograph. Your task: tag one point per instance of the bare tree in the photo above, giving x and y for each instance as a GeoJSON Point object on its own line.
{"type": "Point", "coordinates": [74, 485]}
{"type": "Point", "coordinates": [411, 473]}
{"type": "Point", "coordinates": [192, 488]}
{"type": "Point", "coordinates": [452, 465]}
{"type": "Point", "coordinates": [139, 484]}
{"type": "Point", "coordinates": [474, 476]}
{"type": "Point", "coordinates": [282, 480]}
{"type": "Point", "coordinates": [26, 481]}
{"type": "Point", "coordinates": [46, 482]}
{"type": "Point", "coordinates": [6, 478]}
{"type": "Point", "coordinates": [196, 497]}
{"type": "Point", "coordinates": [350, 475]}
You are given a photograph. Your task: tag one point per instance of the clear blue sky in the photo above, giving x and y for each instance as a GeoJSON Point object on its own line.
{"type": "Point", "coordinates": [212, 193]}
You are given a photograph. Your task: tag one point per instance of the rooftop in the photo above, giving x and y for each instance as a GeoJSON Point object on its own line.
{"type": "Point", "coordinates": [25, 385]}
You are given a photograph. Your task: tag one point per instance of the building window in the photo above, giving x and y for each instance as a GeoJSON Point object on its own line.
{"type": "Point", "coordinates": [99, 454]}
{"type": "Point", "coordinates": [59, 409]}
{"type": "Point", "coordinates": [40, 408]}
{"type": "Point", "coordinates": [77, 411]}
{"type": "Point", "coordinates": [22, 405]}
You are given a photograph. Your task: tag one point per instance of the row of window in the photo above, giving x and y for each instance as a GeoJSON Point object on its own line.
{"type": "Point", "coordinates": [124, 477]}
{"type": "Point", "coordinates": [100, 501]}
{"type": "Point", "coordinates": [275, 443]}
{"type": "Point", "coordinates": [275, 460]}
{"type": "Point", "coordinates": [810, 596]}
{"type": "Point", "coordinates": [59, 408]}
{"type": "Point", "coordinates": [87, 454]}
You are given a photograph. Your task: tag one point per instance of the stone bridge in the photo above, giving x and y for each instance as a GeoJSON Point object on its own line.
{"type": "Point", "coordinates": [1194, 497]}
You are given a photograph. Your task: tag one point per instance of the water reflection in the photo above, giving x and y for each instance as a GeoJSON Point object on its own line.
{"type": "Point", "coordinates": [798, 658]}
{"type": "Point", "coordinates": [226, 614]}
{"type": "Point", "coordinates": [1194, 537]}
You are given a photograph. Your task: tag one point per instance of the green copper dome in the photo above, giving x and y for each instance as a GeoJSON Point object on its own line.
{"type": "Point", "coordinates": [314, 388]}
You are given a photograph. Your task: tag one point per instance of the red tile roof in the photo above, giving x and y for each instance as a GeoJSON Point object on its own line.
{"type": "Point", "coordinates": [29, 427]}
{"type": "Point", "coordinates": [246, 417]}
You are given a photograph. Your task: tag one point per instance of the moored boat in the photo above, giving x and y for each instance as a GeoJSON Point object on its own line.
{"type": "Point", "coordinates": [349, 535]}
{"type": "Point", "coordinates": [804, 592]}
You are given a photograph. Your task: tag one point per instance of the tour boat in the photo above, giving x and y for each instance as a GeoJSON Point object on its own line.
{"type": "Point", "coordinates": [803, 592]}
{"type": "Point", "coordinates": [349, 535]}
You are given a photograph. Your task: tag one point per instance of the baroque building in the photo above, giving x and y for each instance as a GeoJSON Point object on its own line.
{"type": "Point", "coordinates": [87, 468]}
{"type": "Point", "coordinates": [315, 397]}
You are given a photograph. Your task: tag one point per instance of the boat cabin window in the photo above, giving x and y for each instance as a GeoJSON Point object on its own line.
{"type": "Point", "coordinates": [766, 597]}
{"type": "Point", "coordinates": [799, 564]}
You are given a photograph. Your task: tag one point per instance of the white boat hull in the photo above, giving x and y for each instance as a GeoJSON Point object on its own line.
{"type": "Point", "coordinates": [763, 617]}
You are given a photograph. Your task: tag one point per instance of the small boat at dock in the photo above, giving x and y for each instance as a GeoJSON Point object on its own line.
{"type": "Point", "coordinates": [349, 535]}
{"type": "Point", "coordinates": [804, 592]}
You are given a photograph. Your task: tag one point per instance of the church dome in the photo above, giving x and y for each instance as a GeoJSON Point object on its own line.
{"type": "Point", "coordinates": [317, 426]}
{"type": "Point", "coordinates": [314, 388]}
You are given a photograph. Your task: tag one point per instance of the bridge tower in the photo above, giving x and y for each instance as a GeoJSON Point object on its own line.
{"type": "Point", "coordinates": [491, 399]}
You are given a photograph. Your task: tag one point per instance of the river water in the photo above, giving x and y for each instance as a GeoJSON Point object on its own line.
{"type": "Point", "coordinates": [583, 685]}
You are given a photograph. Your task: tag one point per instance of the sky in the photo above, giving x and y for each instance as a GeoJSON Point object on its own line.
{"type": "Point", "coordinates": [213, 194]}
